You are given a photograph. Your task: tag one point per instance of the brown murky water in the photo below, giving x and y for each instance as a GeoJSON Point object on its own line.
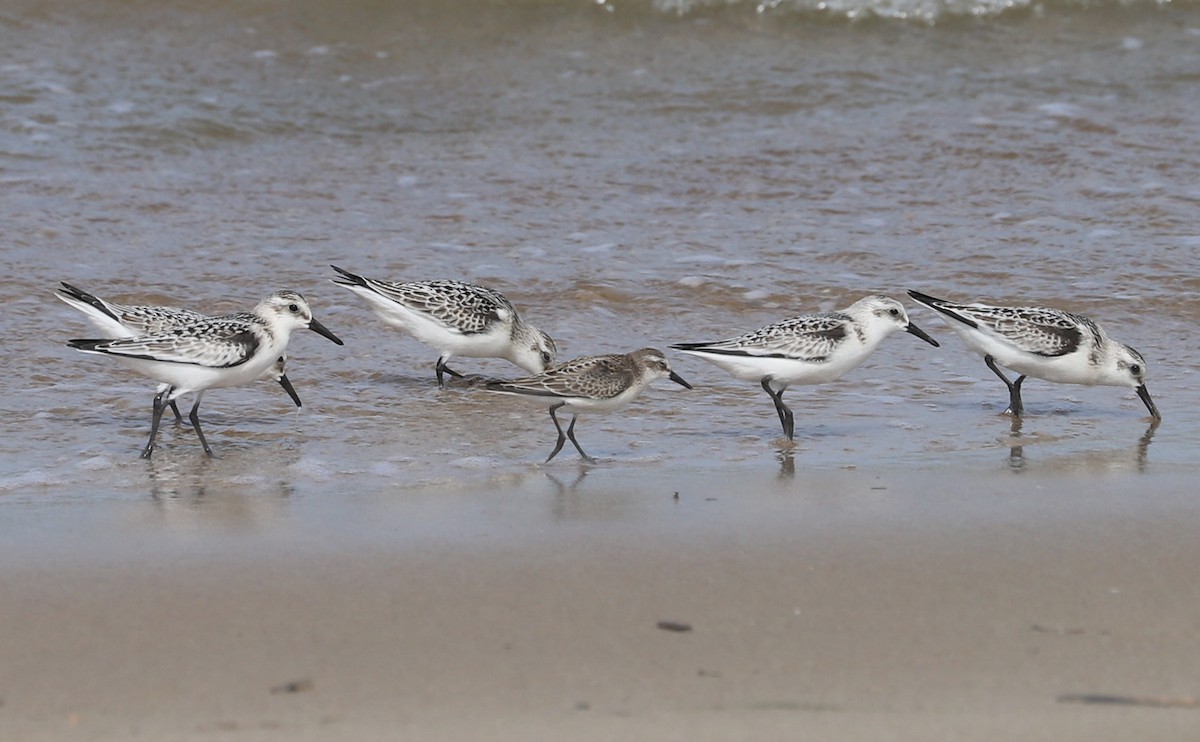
{"type": "Point", "coordinates": [629, 175]}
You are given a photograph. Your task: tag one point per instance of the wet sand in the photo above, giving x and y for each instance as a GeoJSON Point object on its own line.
{"type": "Point", "coordinates": [846, 605]}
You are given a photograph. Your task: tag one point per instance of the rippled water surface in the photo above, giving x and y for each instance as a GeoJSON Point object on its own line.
{"type": "Point", "coordinates": [629, 175]}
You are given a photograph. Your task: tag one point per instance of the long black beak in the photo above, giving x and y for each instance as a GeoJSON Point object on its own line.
{"type": "Point", "coordinates": [1145, 395]}
{"type": "Point", "coordinates": [679, 380]}
{"type": "Point", "coordinates": [921, 334]}
{"type": "Point", "coordinates": [321, 329]}
{"type": "Point", "coordinates": [287, 387]}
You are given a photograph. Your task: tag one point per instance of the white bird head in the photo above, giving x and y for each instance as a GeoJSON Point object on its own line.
{"type": "Point", "coordinates": [287, 310]}
{"type": "Point", "coordinates": [533, 350]}
{"type": "Point", "coordinates": [883, 315]}
{"type": "Point", "coordinates": [1124, 366]}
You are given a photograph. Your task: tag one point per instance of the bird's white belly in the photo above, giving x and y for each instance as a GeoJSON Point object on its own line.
{"type": "Point", "coordinates": [1069, 369]}
{"type": "Point", "coordinates": [1072, 368]}
{"type": "Point", "coordinates": [491, 344]}
{"type": "Point", "coordinates": [782, 371]}
{"type": "Point", "coordinates": [189, 378]}
{"type": "Point", "coordinates": [448, 341]}
{"type": "Point", "coordinates": [607, 404]}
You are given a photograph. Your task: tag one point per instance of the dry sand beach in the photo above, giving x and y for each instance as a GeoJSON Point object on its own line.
{"type": "Point", "coordinates": [877, 605]}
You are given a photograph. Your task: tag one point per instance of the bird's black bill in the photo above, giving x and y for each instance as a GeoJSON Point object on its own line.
{"type": "Point", "coordinates": [287, 387]}
{"type": "Point", "coordinates": [913, 329]}
{"type": "Point", "coordinates": [321, 329]}
{"type": "Point", "coordinates": [679, 380]}
{"type": "Point", "coordinates": [1145, 397]}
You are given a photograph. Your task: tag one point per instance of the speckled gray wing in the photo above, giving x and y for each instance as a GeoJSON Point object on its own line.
{"type": "Point", "coordinates": [141, 320]}
{"type": "Point", "coordinates": [147, 320]}
{"type": "Point", "coordinates": [215, 343]}
{"type": "Point", "coordinates": [594, 377]}
{"type": "Point", "coordinates": [1037, 330]}
{"type": "Point", "coordinates": [810, 337]}
{"type": "Point", "coordinates": [464, 307]}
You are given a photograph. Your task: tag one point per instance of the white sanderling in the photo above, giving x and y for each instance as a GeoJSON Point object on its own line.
{"type": "Point", "coordinates": [457, 319]}
{"type": "Point", "coordinates": [809, 349]}
{"type": "Point", "coordinates": [126, 321]}
{"type": "Point", "coordinates": [1044, 343]}
{"type": "Point", "coordinates": [232, 350]}
{"type": "Point", "coordinates": [590, 384]}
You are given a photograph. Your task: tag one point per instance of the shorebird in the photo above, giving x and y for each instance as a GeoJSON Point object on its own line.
{"type": "Point", "coordinates": [130, 320]}
{"type": "Point", "coordinates": [590, 384]}
{"type": "Point", "coordinates": [457, 319]}
{"type": "Point", "coordinates": [1044, 343]}
{"type": "Point", "coordinates": [809, 349]}
{"type": "Point", "coordinates": [232, 350]}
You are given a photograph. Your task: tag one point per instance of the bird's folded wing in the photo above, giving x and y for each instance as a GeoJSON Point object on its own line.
{"type": "Point", "coordinates": [214, 351]}
{"type": "Point", "coordinates": [1041, 332]}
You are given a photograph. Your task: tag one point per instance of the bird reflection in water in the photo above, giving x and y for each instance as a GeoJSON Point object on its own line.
{"type": "Point", "coordinates": [787, 463]}
{"type": "Point", "coordinates": [1016, 451]}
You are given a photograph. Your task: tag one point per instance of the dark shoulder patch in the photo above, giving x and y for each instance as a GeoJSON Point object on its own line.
{"type": "Point", "coordinates": [1062, 341]}
{"type": "Point", "coordinates": [248, 341]}
{"type": "Point", "coordinates": [833, 334]}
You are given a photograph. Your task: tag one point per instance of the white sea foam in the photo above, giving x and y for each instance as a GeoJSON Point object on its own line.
{"type": "Point", "coordinates": [853, 9]}
{"type": "Point", "coordinates": [96, 463]}
{"type": "Point", "coordinates": [32, 478]}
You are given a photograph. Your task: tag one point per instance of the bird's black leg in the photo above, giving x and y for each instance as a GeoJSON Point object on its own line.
{"type": "Point", "coordinates": [1014, 398]}
{"type": "Point", "coordinates": [442, 368]}
{"type": "Point", "coordinates": [1014, 388]}
{"type": "Point", "coordinates": [175, 409]}
{"type": "Point", "coordinates": [786, 419]}
{"type": "Point", "coordinates": [159, 406]}
{"type": "Point", "coordinates": [194, 416]}
{"type": "Point", "coordinates": [562, 437]}
{"type": "Point", "coordinates": [571, 435]}
{"type": "Point", "coordinates": [291, 390]}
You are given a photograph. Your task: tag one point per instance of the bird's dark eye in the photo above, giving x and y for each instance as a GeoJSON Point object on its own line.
{"type": "Point", "coordinates": [293, 308]}
{"type": "Point", "coordinates": [1135, 369]}
{"type": "Point", "coordinates": [545, 357]}
{"type": "Point", "coordinates": [894, 312]}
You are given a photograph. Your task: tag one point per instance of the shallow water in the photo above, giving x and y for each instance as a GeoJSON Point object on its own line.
{"type": "Point", "coordinates": [629, 175]}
